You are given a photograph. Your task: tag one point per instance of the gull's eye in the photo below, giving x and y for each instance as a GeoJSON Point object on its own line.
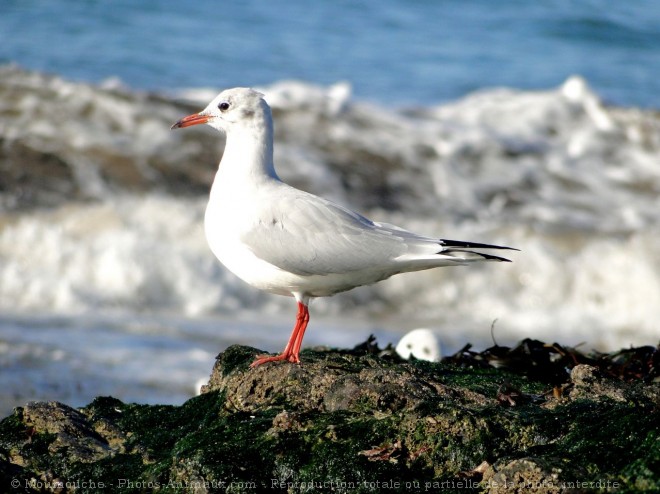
{"type": "Point", "coordinates": [224, 106]}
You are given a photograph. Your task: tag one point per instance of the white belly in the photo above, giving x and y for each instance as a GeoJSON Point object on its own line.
{"type": "Point", "coordinates": [238, 258]}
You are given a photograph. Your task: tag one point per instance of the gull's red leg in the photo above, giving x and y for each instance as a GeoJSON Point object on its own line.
{"type": "Point", "coordinates": [301, 333]}
{"type": "Point", "coordinates": [292, 349]}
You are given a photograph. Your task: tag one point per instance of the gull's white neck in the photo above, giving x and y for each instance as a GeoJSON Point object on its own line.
{"type": "Point", "coordinates": [248, 157]}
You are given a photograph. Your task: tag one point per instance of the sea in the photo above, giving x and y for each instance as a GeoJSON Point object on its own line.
{"type": "Point", "coordinates": [529, 124]}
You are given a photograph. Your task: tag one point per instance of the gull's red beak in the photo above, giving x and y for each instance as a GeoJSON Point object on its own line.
{"type": "Point", "coordinates": [194, 119]}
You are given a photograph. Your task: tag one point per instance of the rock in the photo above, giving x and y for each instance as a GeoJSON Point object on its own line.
{"type": "Point", "coordinates": [346, 421]}
{"type": "Point", "coordinates": [62, 141]}
{"type": "Point", "coordinates": [523, 475]}
{"type": "Point", "coordinates": [73, 435]}
{"type": "Point", "coordinates": [330, 383]}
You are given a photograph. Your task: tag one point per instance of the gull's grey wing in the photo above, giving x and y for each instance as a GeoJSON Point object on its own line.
{"type": "Point", "coordinates": [307, 235]}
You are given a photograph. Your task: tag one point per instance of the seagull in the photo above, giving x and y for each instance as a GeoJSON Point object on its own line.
{"type": "Point", "coordinates": [289, 242]}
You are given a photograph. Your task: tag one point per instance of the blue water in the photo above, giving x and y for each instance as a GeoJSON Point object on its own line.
{"type": "Point", "coordinates": [391, 51]}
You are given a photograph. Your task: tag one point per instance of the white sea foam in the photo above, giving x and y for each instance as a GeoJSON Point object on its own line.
{"type": "Point", "coordinates": [113, 249]}
{"type": "Point", "coordinates": [572, 183]}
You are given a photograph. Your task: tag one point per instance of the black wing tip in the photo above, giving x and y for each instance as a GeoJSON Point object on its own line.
{"type": "Point", "coordinates": [473, 245]}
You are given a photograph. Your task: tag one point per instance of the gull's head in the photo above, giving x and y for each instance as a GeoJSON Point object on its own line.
{"type": "Point", "coordinates": [233, 108]}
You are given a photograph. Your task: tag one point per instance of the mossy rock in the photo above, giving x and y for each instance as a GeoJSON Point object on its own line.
{"type": "Point", "coordinates": [347, 421]}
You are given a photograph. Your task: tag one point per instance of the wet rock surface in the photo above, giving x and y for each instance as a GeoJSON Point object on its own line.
{"type": "Point", "coordinates": [350, 421]}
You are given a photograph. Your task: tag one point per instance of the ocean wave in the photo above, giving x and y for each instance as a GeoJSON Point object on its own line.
{"type": "Point", "coordinates": [103, 205]}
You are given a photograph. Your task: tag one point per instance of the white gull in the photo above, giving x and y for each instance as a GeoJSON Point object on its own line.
{"type": "Point", "coordinates": [289, 242]}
